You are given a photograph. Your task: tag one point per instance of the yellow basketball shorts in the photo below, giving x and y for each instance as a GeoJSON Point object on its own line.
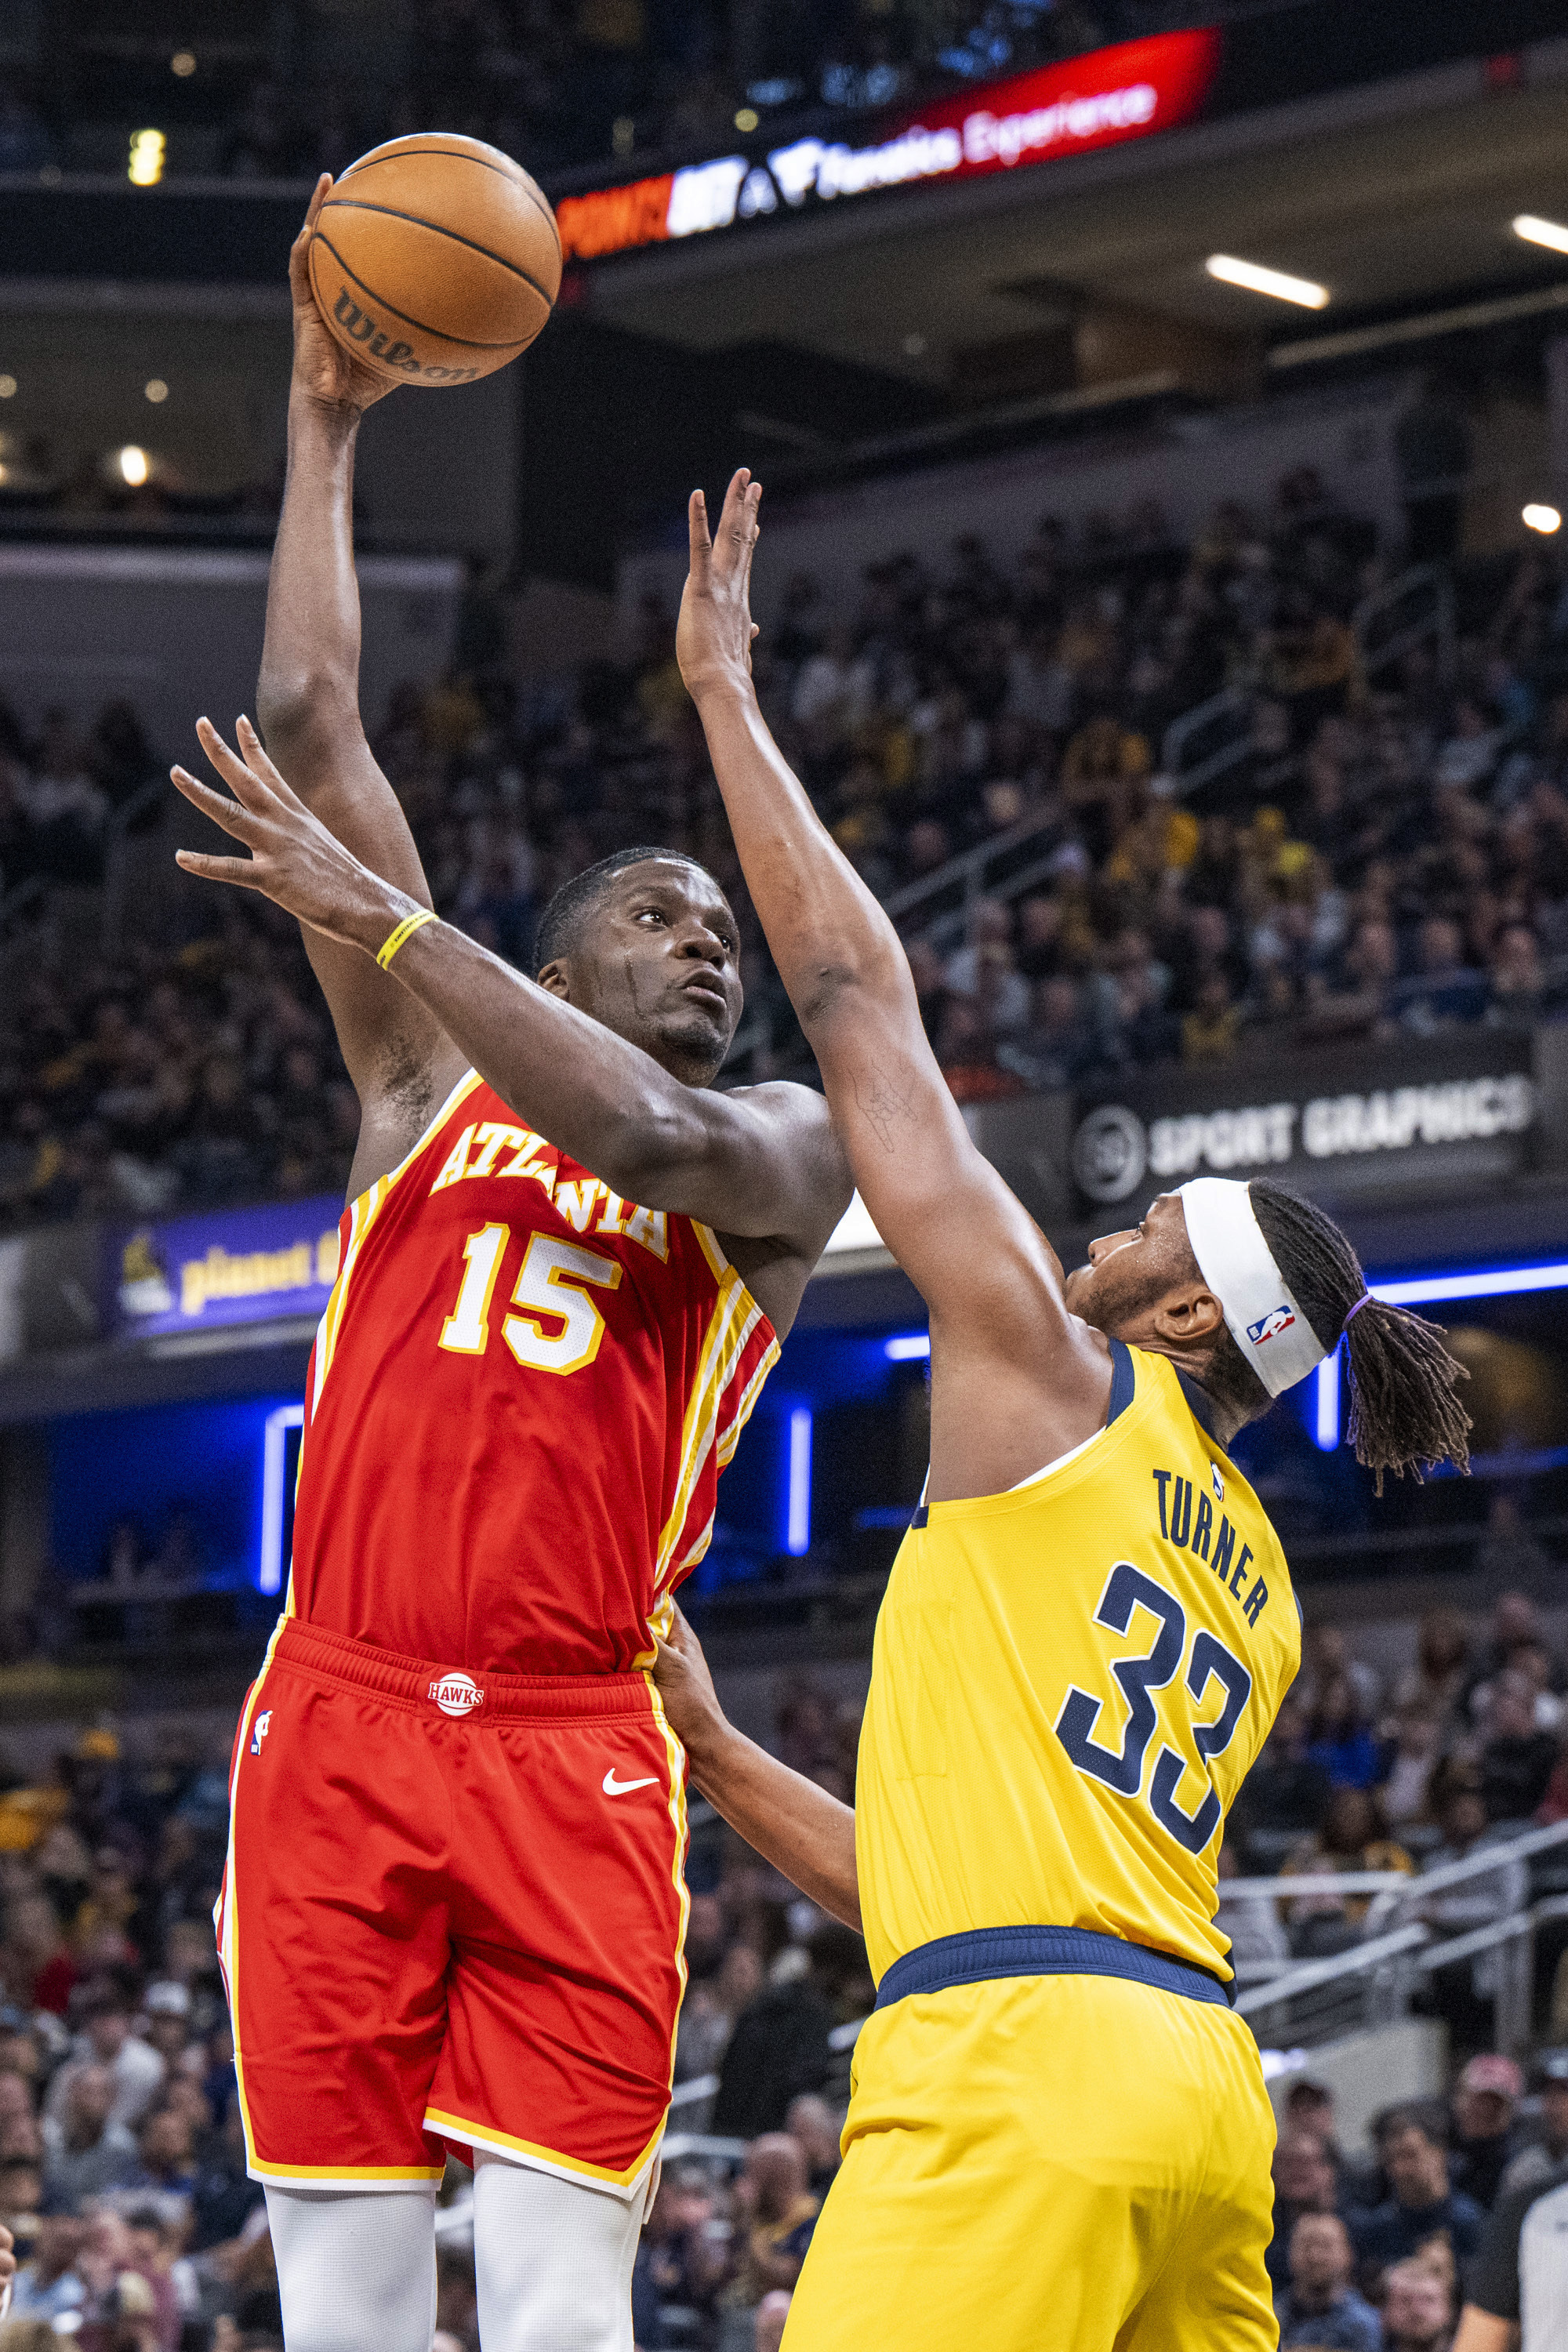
{"type": "Point", "coordinates": [1047, 2164]}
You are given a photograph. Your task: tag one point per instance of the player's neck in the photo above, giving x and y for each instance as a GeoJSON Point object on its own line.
{"type": "Point", "coordinates": [1217, 1419]}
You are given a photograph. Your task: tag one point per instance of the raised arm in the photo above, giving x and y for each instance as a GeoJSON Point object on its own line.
{"type": "Point", "coordinates": [1016, 1378]}
{"type": "Point", "coordinates": [803, 1831]}
{"type": "Point", "coordinates": [307, 704]}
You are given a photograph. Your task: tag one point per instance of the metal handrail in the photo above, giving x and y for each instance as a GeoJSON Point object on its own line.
{"type": "Point", "coordinates": [967, 871]}
{"type": "Point", "coordinates": [114, 859]}
{"type": "Point", "coordinates": [1438, 621]}
{"type": "Point", "coordinates": [1483, 1864]}
{"type": "Point", "coordinates": [1231, 709]}
{"type": "Point", "coordinates": [1388, 1956]}
{"type": "Point", "coordinates": [1305, 1881]}
{"type": "Point", "coordinates": [1232, 703]}
{"type": "Point", "coordinates": [971, 873]}
{"type": "Point", "coordinates": [1313, 1974]}
{"type": "Point", "coordinates": [699, 2086]}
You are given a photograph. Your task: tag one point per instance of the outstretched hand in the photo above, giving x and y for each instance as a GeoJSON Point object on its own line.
{"type": "Point", "coordinates": [322, 366]}
{"type": "Point", "coordinates": [713, 636]}
{"type": "Point", "coordinates": [294, 860]}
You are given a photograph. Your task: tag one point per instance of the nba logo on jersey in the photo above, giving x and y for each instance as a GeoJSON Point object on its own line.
{"type": "Point", "coordinates": [456, 1693]}
{"type": "Point", "coordinates": [1279, 1318]}
{"type": "Point", "coordinates": [258, 1731]}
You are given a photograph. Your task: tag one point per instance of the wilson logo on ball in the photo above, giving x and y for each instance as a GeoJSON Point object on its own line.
{"type": "Point", "coordinates": [359, 327]}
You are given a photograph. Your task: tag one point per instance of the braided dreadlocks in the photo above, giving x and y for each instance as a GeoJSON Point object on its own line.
{"type": "Point", "coordinates": [1405, 1413]}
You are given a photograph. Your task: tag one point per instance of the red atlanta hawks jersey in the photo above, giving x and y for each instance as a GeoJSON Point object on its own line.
{"type": "Point", "coordinates": [520, 1400]}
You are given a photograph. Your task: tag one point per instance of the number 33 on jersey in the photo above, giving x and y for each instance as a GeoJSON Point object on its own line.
{"type": "Point", "coordinates": [520, 1400]}
{"type": "Point", "coordinates": [1072, 1682]}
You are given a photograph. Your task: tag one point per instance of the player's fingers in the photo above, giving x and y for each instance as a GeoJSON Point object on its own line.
{"type": "Point", "coordinates": [241, 870]}
{"type": "Point", "coordinates": [732, 523]}
{"type": "Point", "coordinates": [251, 789]}
{"type": "Point", "coordinates": [300, 252]}
{"type": "Point", "coordinates": [255, 759]}
{"type": "Point", "coordinates": [702, 538]}
{"type": "Point", "coordinates": [234, 818]}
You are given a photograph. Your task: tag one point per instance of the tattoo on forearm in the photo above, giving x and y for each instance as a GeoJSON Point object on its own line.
{"type": "Point", "coordinates": [881, 1101]}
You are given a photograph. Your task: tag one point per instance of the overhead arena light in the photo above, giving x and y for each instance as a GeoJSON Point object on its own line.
{"type": "Point", "coordinates": [1258, 280]}
{"type": "Point", "coordinates": [145, 167]}
{"type": "Point", "coordinates": [133, 466]}
{"type": "Point", "coordinates": [1536, 231]}
{"type": "Point", "coordinates": [1545, 520]}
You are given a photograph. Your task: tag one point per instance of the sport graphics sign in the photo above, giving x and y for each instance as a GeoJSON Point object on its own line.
{"type": "Point", "coordinates": [1423, 1115]}
{"type": "Point", "coordinates": [233, 1265]}
{"type": "Point", "coordinates": [1127, 91]}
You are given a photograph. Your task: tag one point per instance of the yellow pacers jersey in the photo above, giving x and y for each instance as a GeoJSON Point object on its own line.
{"type": "Point", "coordinates": [1070, 1682]}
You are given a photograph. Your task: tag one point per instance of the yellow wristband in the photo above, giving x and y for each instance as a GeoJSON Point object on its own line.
{"type": "Point", "coordinates": [406, 930]}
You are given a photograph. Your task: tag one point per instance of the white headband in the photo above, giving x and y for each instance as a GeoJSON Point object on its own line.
{"type": "Point", "coordinates": [1237, 1264]}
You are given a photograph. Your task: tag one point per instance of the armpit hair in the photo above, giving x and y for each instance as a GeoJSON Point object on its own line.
{"type": "Point", "coordinates": [406, 1080]}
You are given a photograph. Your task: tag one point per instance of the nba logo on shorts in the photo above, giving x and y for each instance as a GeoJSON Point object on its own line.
{"type": "Point", "coordinates": [259, 1730]}
{"type": "Point", "coordinates": [456, 1693]}
{"type": "Point", "coordinates": [1279, 1319]}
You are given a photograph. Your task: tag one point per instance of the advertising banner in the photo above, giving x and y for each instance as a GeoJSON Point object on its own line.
{"type": "Point", "coordinates": [1415, 1117]}
{"type": "Point", "coordinates": [258, 1264]}
{"type": "Point", "coordinates": [1126, 91]}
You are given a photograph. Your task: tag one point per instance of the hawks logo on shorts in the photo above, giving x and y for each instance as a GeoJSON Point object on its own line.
{"type": "Point", "coordinates": [456, 1693]}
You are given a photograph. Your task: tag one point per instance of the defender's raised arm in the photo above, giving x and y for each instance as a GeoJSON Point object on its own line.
{"type": "Point", "coordinates": [1021, 1370]}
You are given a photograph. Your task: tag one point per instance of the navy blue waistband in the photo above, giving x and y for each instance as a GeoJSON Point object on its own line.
{"type": "Point", "coordinates": [988, 1952]}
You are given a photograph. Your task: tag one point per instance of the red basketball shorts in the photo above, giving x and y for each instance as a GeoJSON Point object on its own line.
{"type": "Point", "coordinates": [452, 1915]}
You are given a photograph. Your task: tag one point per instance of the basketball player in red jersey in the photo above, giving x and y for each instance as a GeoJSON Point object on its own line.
{"type": "Point", "coordinates": [453, 1911]}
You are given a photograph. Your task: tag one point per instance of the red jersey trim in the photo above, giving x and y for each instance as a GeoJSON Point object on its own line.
{"type": "Point", "coordinates": [363, 1214]}
{"type": "Point", "coordinates": [225, 1920]}
{"type": "Point", "coordinates": [735, 1327]}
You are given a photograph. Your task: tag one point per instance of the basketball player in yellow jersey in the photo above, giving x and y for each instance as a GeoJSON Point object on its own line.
{"type": "Point", "coordinates": [1058, 2139]}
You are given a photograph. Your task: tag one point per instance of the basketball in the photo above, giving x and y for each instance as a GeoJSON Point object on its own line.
{"type": "Point", "coordinates": [436, 260]}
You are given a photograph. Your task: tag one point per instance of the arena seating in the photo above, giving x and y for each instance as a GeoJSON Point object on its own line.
{"type": "Point", "coordinates": [121, 2164]}
{"type": "Point", "coordinates": [1132, 801]}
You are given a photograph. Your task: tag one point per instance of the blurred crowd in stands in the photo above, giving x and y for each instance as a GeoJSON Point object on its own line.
{"type": "Point", "coordinates": [121, 2148]}
{"type": "Point", "coordinates": [1388, 857]}
{"type": "Point", "coordinates": [563, 82]}
{"type": "Point", "coordinates": [1464, 1749]}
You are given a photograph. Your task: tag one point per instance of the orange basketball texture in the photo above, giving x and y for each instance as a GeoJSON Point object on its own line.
{"type": "Point", "coordinates": [436, 260]}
